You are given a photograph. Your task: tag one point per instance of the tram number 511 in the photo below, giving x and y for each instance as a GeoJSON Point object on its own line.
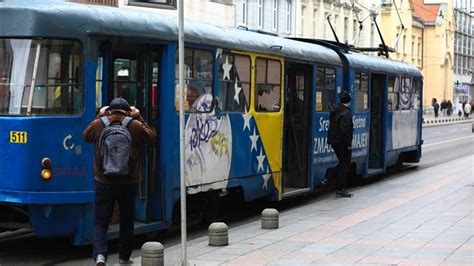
{"type": "Point", "coordinates": [18, 136]}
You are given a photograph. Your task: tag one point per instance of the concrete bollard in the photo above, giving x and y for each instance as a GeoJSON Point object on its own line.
{"type": "Point", "coordinates": [270, 219]}
{"type": "Point", "coordinates": [152, 254]}
{"type": "Point", "coordinates": [218, 234]}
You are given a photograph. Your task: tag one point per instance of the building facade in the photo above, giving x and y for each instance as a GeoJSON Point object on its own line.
{"type": "Point", "coordinates": [464, 50]}
{"type": "Point", "coordinates": [404, 34]}
{"type": "Point", "coordinates": [217, 12]}
{"type": "Point", "coordinates": [437, 17]}
{"type": "Point", "coordinates": [273, 16]}
{"type": "Point", "coordinates": [352, 23]}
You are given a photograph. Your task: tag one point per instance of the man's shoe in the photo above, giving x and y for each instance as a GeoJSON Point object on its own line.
{"type": "Point", "coordinates": [100, 260]}
{"type": "Point", "coordinates": [343, 194]}
{"type": "Point", "coordinates": [125, 262]}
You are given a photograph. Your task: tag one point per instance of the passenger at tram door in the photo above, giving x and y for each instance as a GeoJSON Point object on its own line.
{"type": "Point", "coordinates": [340, 138]}
{"type": "Point", "coordinates": [119, 133]}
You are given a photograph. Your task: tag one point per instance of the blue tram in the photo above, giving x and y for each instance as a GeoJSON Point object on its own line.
{"type": "Point", "coordinates": [257, 112]}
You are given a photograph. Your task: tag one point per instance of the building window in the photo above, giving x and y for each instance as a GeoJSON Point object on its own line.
{"type": "Point", "coordinates": [267, 85]}
{"type": "Point", "coordinates": [244, 12]}
{"type": "Point", "coordinates": [325, 28]}
{"type": "Point", "coordinates": [346, 29]}
{"type": "Point", "coordinates": [288, 17]}
{"type": "Point", "coordinates": [418, 53]}
{"type": "Point", "coordinates": [404, 44]}
{"type": "Point", "coordinates": [372, 37]}
{"type": "Point", "coordinates": [315, 22]}
{"type": "Point", "coordinates": [303, 9]}
{"type": "Point", "coordinates": [275, 15]}
{"type": "Point", "coordinates": [325, 88]}
{"type": "Point", "coordinates": [149, 3]}
{"type": "Point", "coordinates": [260, 13]}
{"type": "Point", "coordinates": [354, 29]}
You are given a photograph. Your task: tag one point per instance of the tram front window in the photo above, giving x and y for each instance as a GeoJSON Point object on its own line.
{"type": "Point", "coordinates": [52, 67]}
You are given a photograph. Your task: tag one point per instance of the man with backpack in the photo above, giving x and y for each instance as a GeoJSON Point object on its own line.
{"type": "Point", "coordinates": [340, 138]}
{"type": "Point", "coordinates": [119, 133]}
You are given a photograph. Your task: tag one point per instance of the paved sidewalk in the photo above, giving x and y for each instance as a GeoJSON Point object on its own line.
{"type": "Point", "coordinates": [430, 120]}
{"type": "Point", "coordinates": [423, 217]}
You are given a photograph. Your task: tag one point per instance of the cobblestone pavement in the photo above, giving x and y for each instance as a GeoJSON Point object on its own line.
{"type": "Point", "coordinates": [423, 217]}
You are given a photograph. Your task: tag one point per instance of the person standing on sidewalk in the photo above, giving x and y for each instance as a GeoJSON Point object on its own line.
{"type": "Point", "coordinates": [467, 110]}
{"type": "Point", "coordinates": [444, 107]}
{"type": "Point", "coordinates": [435, 105]}
{"type": "Point", "coordinates": [119, 133]}
{"type": "Point", "coordinates": [340, 139]}
{"type": "Point", "coordinates": [450, 108]}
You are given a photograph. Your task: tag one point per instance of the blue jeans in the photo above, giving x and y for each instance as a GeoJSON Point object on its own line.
{"type": "Point", "coordinates": [105, 197]}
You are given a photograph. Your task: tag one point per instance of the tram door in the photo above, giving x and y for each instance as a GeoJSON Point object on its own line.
{"type": "Point", "coordinates": [133, 73]}
{"type": "Point", "coordinates": [297, 128]}
{"type": "Point", "coordinates": [377, 121]}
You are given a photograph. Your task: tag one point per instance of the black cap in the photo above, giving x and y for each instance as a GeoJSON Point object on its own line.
{"type": "Point", "coordinates": [119, 103]}
{"type": "Point", "coordinates": [345, 97]}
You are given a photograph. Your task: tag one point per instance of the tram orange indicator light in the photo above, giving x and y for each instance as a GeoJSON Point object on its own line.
{"type": "Point", "coordinates": [46, 174]}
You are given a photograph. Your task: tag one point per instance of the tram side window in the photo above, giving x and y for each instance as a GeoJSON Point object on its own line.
{"type": "Point", "coordinates": [234, 83]}
{"type": "Point", "coordinates": [404, 95]}
{"type": "Point", "coordinates": [58, 86]}
{"type": "Point", "coordinates": [325, 88]}
{"type": "Point", "coordinates": [361, 89]}
{"type": "Point", "coordinates": [268, 85]}
{"type": "Point", "coordinates": [198, 77]}
{"type": "Point", "coordinates": [392, 93]}
{"type": "Point", "coordinates": [415, 97]}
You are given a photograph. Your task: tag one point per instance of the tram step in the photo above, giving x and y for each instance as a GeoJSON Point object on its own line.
{"type": "Point", "coordinates": [374, 171]}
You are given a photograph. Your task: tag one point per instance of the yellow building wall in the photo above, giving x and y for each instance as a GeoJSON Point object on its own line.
{"type": "Point", "coordinates": [417, 46]}
{"type": "Point", "coordinates": [438, 58]}
{"type": "Point", "coordinates": [410, 36]}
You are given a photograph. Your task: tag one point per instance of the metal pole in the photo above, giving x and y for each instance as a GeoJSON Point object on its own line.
{"type": "Point", "coordinates": [184, 260]}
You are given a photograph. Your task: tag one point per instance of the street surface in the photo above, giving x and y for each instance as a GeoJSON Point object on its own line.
{"type": "Point", "coordinates": [421, 215]}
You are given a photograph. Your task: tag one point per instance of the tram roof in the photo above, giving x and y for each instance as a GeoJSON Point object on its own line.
{"type": "Point", "coordinates": [65, 20]}
{"type": "Point", "coordinates": [382, 65]}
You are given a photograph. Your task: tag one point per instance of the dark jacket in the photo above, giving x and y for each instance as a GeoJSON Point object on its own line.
{"type": "Point", "coordinates": [141, 134]}
{"type": "Point", "coordinates": [340, 126]}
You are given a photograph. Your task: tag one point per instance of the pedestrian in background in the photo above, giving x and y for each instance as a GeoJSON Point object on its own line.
{"type": "Point", "coordinates": [340, 139]}
{"type": "Point", "coordinates": [116, 179]}
{"type": "Point", "coordinates": [444, 107]}
{"type": "Point", "coordinates": [450, 108]}
{"type": "Point", "coordinates": [459, 107]}
{"type": "Point", "coordinates": [467, 110]}
{"type": "Point", "coordinates": [435, 105]}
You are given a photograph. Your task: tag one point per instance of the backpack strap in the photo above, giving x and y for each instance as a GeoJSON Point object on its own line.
{"type": "Point", "coordinates": [126, 121]}
{"type": "Point", "coordinates": [105, 120]}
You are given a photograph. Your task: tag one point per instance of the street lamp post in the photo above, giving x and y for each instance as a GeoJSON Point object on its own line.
{"type": "Point", "coordinates": [184, 261]}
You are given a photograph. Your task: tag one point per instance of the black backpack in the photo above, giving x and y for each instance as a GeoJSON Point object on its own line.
{"type": "Point", "coordinates": [115, 146]}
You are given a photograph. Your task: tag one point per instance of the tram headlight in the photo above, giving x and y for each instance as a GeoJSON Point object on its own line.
{"type": "Point", "coordinates": [46, 173]}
